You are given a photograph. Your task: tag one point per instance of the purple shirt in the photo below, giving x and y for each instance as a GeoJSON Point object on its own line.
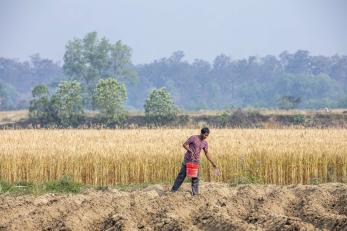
{"type": "Point", "coordinates": [195, 144]}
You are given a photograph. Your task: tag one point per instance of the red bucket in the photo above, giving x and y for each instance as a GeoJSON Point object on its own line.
{"type": "Point", "coordinates": [192, 169]}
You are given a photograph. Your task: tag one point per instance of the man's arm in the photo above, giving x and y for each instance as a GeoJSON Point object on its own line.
{"type": "Point", "coordinates": [186, 146]}
{"type": "Point", "coordinates": [209, 158]}
{"type": "Point", "coordinates": [216, 170]}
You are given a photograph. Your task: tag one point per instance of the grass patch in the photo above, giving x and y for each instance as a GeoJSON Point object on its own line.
{"type": "Point", "coordinates": [64, 184]}
{"type": "Point", "coordinates": [17, 188]}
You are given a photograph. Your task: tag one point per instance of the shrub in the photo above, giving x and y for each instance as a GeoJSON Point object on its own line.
{"type": "Point", "coordinates": [66, 104]}
{"type": "Point", "coordinates": [39, 110]}
{"type": "Point", "coordinates": [64, 184]}
{"type": "Point", "coordinates": [160, 107]}
{"type": "Point", "coordinates": [109, 98]}
{"type": "Point", "coordinates": [299, 119]}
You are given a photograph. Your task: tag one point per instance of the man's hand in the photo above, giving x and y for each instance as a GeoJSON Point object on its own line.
{"type": "Point", "coordinates": [217, 171]}
{"type": "Point", "coordinates": [192, 154]}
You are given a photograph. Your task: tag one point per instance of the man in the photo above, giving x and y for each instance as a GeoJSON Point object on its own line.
{"type": "Point", "coordinates": [193, 146]}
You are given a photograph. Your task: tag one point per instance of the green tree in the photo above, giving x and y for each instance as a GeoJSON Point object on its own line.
{"type": "Point", "coordinates": [160, 107]}
{"type": "Point", "coordinates": [39, 109]}
{"type": "Point", "coordinates": [109, 98]}
{"type": "Point", "coordinates": [67, 104]}
{"type": "Point", "coordinates": [89, 59]}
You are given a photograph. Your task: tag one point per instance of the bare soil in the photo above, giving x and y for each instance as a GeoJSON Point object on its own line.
{"type": "Point", "coordinates": [218, 207]}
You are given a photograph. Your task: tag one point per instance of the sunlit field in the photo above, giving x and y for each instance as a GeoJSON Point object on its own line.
{"type": "Point", "coordinates": [109, 157]}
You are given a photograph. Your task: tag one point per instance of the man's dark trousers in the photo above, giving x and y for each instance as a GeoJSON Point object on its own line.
{"type": "Point", "coordinates": [180, 178]}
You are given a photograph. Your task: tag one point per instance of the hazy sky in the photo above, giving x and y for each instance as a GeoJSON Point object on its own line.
{"type": "Point", "coordinates": [156, 28]}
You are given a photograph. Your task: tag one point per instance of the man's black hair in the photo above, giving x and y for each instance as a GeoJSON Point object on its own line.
{"type": "Point", "coordinates": [205, 130]}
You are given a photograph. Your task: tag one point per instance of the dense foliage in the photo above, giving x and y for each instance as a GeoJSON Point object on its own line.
{"type": "Point", "coordinates": [19, 78]}
{"type": "Point", "coordinates": [318, 81]}
{"type": "Point", "coordinates": [160, 107]}
{"type": "Point", "coordinates": [63, 108]}
{"type": "Point", "coordinates": [90, 59]}
{"type": "Point", "coordinates": [109, 98]}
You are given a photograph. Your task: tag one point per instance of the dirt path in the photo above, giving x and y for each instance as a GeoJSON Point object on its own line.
{"type": "Point", "coordinates": [219, 207]}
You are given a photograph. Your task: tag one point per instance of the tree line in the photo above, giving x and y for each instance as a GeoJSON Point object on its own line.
{"type": "Point", "coordinates": [285, 81]}
{"type": "Point", "coordinates": [64, 108]}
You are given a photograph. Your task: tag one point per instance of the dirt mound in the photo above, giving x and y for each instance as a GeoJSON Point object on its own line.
{"type": "Point", "coordinates": [219, 207]}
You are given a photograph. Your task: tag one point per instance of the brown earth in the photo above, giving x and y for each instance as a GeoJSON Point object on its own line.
{"type": "Point", "coordinates": [219, 207]}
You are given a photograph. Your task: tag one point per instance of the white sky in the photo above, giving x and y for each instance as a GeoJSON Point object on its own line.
{"type": "Point", "coordinates": [156, 28]}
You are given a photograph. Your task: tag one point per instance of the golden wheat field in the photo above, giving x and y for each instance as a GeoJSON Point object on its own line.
{"type": "Point", "coordinates": [108, 157]}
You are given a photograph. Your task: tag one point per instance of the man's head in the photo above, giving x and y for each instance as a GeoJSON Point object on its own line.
{"type": "Point", "coordinates": [205, 132]}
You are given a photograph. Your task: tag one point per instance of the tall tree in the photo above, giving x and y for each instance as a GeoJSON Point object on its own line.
{"type": "Point", "coordinates": [90, 59]}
